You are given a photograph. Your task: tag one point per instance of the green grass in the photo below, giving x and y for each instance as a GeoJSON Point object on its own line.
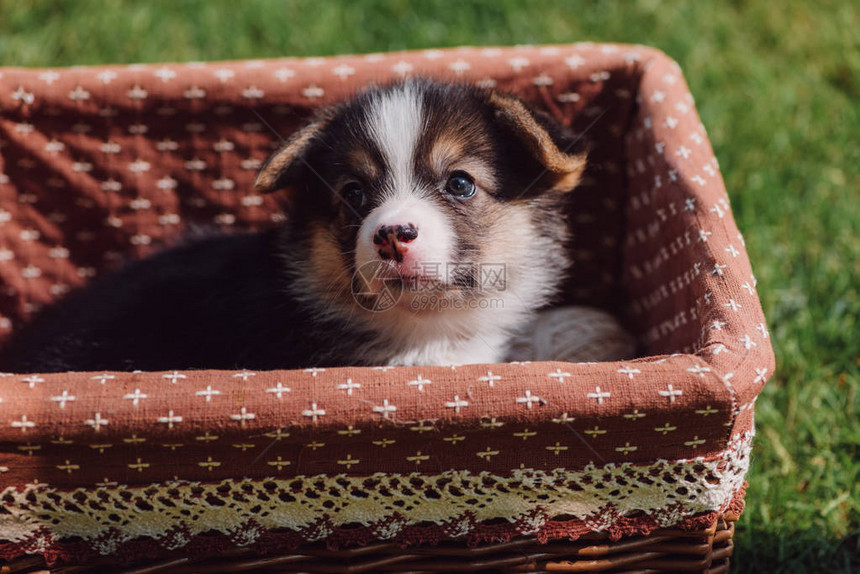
{"type": "Point", "coordinates": [778, 86]}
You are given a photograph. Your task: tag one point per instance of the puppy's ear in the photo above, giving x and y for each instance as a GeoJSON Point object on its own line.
{"type": "Point", "coordinates": [561, 157]}
{"type": "Point", "coordinates": [284, 166]}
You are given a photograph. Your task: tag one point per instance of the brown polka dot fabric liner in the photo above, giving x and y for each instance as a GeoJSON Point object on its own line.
{"type": "Point", "coordinates": [102, 164]}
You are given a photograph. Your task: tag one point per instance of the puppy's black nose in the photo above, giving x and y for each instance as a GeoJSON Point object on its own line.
{"type": "Point", "coordinates": [406, 233]}
{"type": "Point", "coordinates": [391, 233]}
{"type": "Point", "coordinates": [390, 239]}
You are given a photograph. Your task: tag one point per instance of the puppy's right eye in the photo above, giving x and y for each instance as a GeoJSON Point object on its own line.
{"type": "Point", "coordinates": [460, 184]}
{"type": "Point", "coordinates": [353, 193]}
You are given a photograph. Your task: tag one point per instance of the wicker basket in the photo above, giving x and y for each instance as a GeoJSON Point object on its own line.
{"type": "Point", "coordinates": [514, 467]}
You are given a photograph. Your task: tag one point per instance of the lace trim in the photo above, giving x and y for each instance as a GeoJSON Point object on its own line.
{"type": "Point", "coordinates": [617, 499]}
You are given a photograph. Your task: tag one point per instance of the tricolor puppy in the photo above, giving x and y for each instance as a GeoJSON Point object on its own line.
{"type": "Point", "coordinates": [424, 226]}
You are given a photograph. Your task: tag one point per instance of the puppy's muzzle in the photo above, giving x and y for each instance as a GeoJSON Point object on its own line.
{"type": "Point", "coordinates": [392, 239]}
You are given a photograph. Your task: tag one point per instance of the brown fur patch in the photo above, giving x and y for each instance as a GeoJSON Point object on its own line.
{"type": "Point", "coordinates": [363, 164]}
{"type": "Point", "coordinates": [330, 275]}
{"type": "Point", "coordinates": [567, 168]}
{"type": "Point", "coordinates": [281, 160]}
{"type": "Point", "coordinates": [510, 230]}
{"type": "Point", "coordinates": [446, 149]}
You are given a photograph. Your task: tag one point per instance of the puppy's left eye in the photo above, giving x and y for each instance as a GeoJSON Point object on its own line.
{"type": "Point", "coordinates": [353, 192]}
{"type": "Point", "coordinates": [460, 184]}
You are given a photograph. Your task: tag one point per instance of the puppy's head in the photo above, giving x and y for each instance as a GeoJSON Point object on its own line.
{"type": "Point", "coordinates": [441, 192]}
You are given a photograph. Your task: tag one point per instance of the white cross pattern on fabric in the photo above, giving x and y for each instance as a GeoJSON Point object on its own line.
{"type": "Point", "coordinates": [79, 94]}
{"type": "Point", "coordinates": [174, 376]}
{"type": "Point", "coordinates": [23, 424]}
{"type": "Point", "coordinates": [313, 91]}
{"type": "Point", "coordinates": [137, 93]}
{"type": "Point", "coordinates": [631, 57]}
{"type": "Point", "coordinates": [135, 397]}
{"type": "Point", "coordinates": [671, 393]}
{"type": "Point", "coordinates": [279, 390]}
{"type": "Point", "coordinates": [224, 74]}
{"type": "Point", "coordinates": [283, 74]}
{"type": "Point", "coordinates": [699, 370]}
{"type": "Point", "coordinates": [243, 416]}
{"type": "Point", "coordinates": [252, 93]}
{"type": "Point", "coordinates": [629, 371]}
{"type": "Point", "coordinates": [348, 386]}
{"type": "Point", "coordinates": [490, 378]}
{"type": "Point", "coordinates": [419, 382]}
{"type": "Point", "coordinates": [49, 77]}
{"type": "Point", "coordinates": [209, 392]}
{"type": "Point", "coordinates": [170, 419]}
{"type": "Point", "coordinates": [401, 68]}
{"type": "Point", "coordinates": [528, 399]}
{"type": "Point", "coordinates": [32, 380]}
{"type": "Point", "coordinates": [518, 63]}
{"type": "Point", "coordinates": [165, 74]}
{"type": "Point", "coordinates": [385, 409]}
{"type": "Point", "coordinates": [456, 404]}
{"type": "Point", "coordinates": [54, 146]}
{"type": "Point", "coordinates": [597, 394]}
{"type": "Point", "coordinates": [24, 128]}
{"type": "Point", "coordinates": [194, 93]}
{"type": "Point", "coordinates": [314, 412]}
{"type": "Point", "coordinates": [459, 66]}
{"type": "Point", "coordinates": [167, 144]}
{"type": "Point", "coordinates": [559, 375]}
{"type": "Point", "coordinates": [97, 422]}
{"type": "Point", "coordinates": [543, 80]}
{"type": "Point", "coordinates": [574, 61]}
{"type": "Point", "coordinates": [343, 71]}
{"type": "Point", "coordinates": [62, 399]}
{"type": "Point", "coordinates": [107, 76]}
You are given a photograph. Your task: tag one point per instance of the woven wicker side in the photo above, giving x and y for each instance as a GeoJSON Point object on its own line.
{"type": "Point", "coordinates": [706, 551]}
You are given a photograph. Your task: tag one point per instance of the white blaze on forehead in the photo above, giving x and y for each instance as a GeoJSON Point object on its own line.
{"type": "Point", "coordinates": [396, 120]}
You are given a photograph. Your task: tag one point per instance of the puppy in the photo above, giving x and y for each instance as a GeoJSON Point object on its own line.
{"type": "Point", "coordinates": [425, 225]}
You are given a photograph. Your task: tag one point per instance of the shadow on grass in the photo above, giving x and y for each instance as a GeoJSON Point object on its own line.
{"type": "Point", "coordinates": [764, 550]}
